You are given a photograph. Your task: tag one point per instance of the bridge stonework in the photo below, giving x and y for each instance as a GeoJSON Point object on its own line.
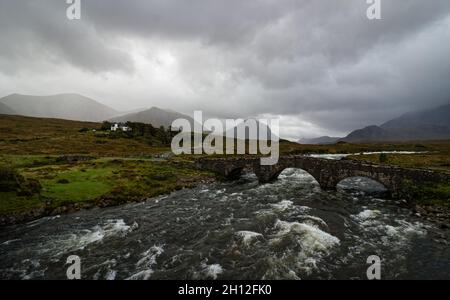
{"type": "Point", "coordinates": [328, 173]}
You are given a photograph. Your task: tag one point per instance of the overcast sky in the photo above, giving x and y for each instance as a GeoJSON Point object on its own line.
{"type": "Point", "coordinates": [319, 65]}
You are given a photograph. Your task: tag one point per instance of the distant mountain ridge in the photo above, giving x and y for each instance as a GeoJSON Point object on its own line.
{"type": "Point", "coordinates": [81, 108]}
{"type": "Point", "coordinates": [61, 106]}
{"type": "Point", "coordinates": [6, 110]}
{"type": "Point", "coordinates": [155, 116]}
{"type": "Point", "coordinates": [233, 132]}
{"type": "Point", "coordinates": [431, 124]}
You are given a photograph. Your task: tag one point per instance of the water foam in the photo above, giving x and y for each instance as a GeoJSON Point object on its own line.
{"type": "Point", "coordinates": [386, 231]}
{"type": "Point", "coordinates": [303, 247]}
{"type": "Point", "coordinates": [147, 262]}
{"type": "Point", "coordinates": [248, 236]}
{"type": "Point", "coordinates": [96, 234]}
{"type": "Point", "coordinates": [312, 239]}
{"type": "Point", "coordinates": [212, 271]}
{"type": "Point", "coordinates": [283, 205]}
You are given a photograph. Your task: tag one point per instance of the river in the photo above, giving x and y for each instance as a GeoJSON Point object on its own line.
{"type": "Point", "coordinates": [289, 229]}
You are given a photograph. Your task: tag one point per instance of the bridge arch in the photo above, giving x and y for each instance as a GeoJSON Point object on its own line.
{"type": "Point", "coordinates": [362, 183]}
{"type": "Point", "coordinates": [267, 174]}
{"type": "Point", "coordinates": [380, 178]}
{"type": "Point", "coordinates": [316, 180]}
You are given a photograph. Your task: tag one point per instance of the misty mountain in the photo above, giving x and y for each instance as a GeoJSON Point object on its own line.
{"type": "Point", "coordinates": [323, 140]}
{"type": "Point", "coordinates": [368, 134]}
{"type": "Point", "coordinates": [6, 110]}
{"type": "Point", "coordinates": [155, 116]}
{"type": "Point", "coordinates": [437, 117]}
{"type": "Point", "coordinates": [62, 106]}
{"type": "Point", "coordinates": [432, 124]}
{"type": "Point", "coordinates": [234, 131]}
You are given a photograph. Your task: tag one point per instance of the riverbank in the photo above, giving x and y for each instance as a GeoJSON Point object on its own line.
{"type": "Point", "coordinates": [34, 186]}
{"type": "Point", "coordinates": [431, 202]}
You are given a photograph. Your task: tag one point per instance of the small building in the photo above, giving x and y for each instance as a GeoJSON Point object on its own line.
{"type": "Point", "coordinates": [117, 126]}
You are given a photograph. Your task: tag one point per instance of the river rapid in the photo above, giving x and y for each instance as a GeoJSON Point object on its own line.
{"type": "Point", "coordinates": [289, 229]}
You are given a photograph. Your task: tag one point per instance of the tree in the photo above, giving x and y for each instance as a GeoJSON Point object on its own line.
{"type": "Point", "coordinates": [106, 126]}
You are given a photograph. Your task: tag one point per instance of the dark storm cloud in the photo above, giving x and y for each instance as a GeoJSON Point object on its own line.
{"type": "Point", "coordinates": [39, 30]}
{"type": "Point", "coordinates": [322, 62]}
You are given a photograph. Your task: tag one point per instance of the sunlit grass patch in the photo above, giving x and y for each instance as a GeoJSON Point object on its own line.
{"type": "Point", "coordinates": [78, 185]}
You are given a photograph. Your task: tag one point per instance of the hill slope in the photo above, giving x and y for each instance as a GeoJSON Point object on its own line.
{"type": "Point", "coordinates": [433, 124]}
{"type": "Point", "coordinates": [62, 106]}
{"type": "Point", "coordinates": [323, 140]}
{"type": "Point", "coordinates": [437, 117]}
{"type": "Point", "coordinates": [155, 116]}
{"type": "Point", "coordinates": [233, 132]}
{"type": "Point", "coordinates": [6, 110]}
{"type": "Point", "coordinates": [21, 135]}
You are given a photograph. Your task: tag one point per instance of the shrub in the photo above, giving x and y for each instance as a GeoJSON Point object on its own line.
{"type": "Point", "coordinates": [383, 158]}
{"type": "Point", "coordinates": [34, 186]}
{"type": "Point", "coordinates": [160, 177]}
{"type": "Point", "coordinates": [9, 179]}
{"type": "Point", "coordinates": [12, 181]}
{"type": "Point", "coordinates": [106, 126]}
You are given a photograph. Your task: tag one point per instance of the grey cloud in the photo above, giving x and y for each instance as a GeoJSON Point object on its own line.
{"type": "Point", "coordinates": [39, 30]}
{"type": "Point", "coordinates": [319, 61]}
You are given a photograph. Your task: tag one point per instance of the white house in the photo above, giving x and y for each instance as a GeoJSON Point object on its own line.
{"type": "Point", "coordinates": [117, 126]}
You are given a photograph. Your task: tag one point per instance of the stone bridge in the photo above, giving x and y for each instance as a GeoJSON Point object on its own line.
{"type": "Point", "coordinates": [328, 173]}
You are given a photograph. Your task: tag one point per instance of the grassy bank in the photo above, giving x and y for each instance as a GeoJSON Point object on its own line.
{"type": "Point", "coordinates": [60, 186]}
{"type": "Point", "coordinates": [438, 161]}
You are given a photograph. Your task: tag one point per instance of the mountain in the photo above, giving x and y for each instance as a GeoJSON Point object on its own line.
{"type": "Point", "coordinates": [155, 116]}
{"type": "Point", "coordinates": [368, 134]}
{"type": "Point", "coordinates": [323, 140]}
{"type": "Point", "coordinates": [62, 106]}
{"type": "Point", "coordinates": [432, 124]}
{"type": "Point", "coordinates": [437, 117]}
{"type": "Point", "coordinates": [5, 110]}
{"type": "Point", "coordinates": [234, 131]}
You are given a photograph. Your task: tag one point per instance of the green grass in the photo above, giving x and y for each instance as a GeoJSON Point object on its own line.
{"type": "Point", "coordinates": [438, 161]}
{"type": "Point", "coordinates": [81, 186]}
{"type": "Point", "coordinates": [23, 161]}
{"type": "Point", "coordinates": [11, 203]}
{"type": "Point", "coordinates": [116, 180]}
{"type": "Point", "coordinates": [432, 194]}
